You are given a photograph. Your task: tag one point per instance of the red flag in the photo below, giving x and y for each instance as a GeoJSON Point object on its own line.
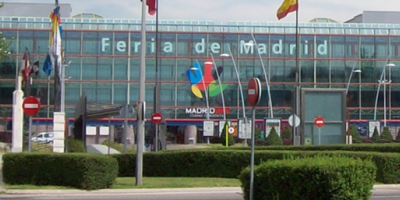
{"type": "Point", "coordinates": [151, 4]}
{"type": "Point", "coordinates": [25, 68]}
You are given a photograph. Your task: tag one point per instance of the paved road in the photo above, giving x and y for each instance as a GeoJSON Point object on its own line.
{"type": "Point", "coordinates": [388, 193]}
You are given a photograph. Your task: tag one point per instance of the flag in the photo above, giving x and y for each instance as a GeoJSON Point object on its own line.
{"type": "Point", "coordinates": [287, 7]}
{"type": "Point", "coordinates": [47, 66]}
{"type": "Point", "coordinates": [25, 68]}
{"type": "Point", "coordinates": [56, 33]}
{"type": "Point", "coordinates": [152, 6]}
{"type": "Point", "coordinates": [35, 68]}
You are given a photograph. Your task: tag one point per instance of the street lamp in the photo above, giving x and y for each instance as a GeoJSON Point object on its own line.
{"type": "Point", "coordinates": [206, 95]}
{"type": "Point", "coordinates": [351, 75]}
{"type": "Point", "coordinates": [254, 43]}
{"type": "Point", "coordinates": [62, 106]}
{"type": "Point", "coordinates": [219, 82]}
{"type": "Point", "coordinates": [240, 90]}
{"type": "Point", "coordinates": [381, 80]}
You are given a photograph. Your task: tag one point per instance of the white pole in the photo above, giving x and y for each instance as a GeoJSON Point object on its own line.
{"type": "Point", "coordinates": [241, 95]}
{"type": "Point", "coordinates": [30, 134]}
{"type": "Point", "coordinates": [271, 111]}
{"type": "Point", "coordinates": [379, 86]}
{"type": "Point", "coordinates": [384, 98]}
{"type": "Point", "coordinates": [140, 122]}
{"type": "Point", "coordinates": [207, 103]}
{"type": "Point", "coordinates": [17, 117]}
{"type": "Point", "coordinates": [220, 86]}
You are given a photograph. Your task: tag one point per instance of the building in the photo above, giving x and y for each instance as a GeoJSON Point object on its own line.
{"type": "Point", "coordinates": [105, 59]}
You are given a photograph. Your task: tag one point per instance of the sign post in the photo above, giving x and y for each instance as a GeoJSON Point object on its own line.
{"type": "Point", "coordinates": [319, 122]}
{"type": "Point", "coordinates": [253, 97]}
{"type": "Point", "coordinates": [156, 118]}
{"type": "Point", "coordinates": [31, 106]}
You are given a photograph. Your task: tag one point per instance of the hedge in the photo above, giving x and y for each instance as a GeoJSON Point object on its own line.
{"type": "Point", "coordinates": [383, 147]}
{"type": "Point", "coordinates": [82, 171]}
{"type": "Point", "coordinates": [229, 163]}
{"type": "Point", "coordinates": [324, 178]}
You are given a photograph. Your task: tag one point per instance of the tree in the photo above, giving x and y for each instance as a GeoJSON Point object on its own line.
{"type": "Point", "coordinates": [287, 133]}
{"type": "Point", "coordinates": [231, 141]}
{"type": "Point", "coordinates": [386, 135]}
{"type": "Point", "coordinates": [273, 138]}
{"type": "Point", "coordinates": [375, 136]}
{"type": "Point", "coordinates": [355, 135]}
{"type": "Point", "coordinates": [398, 136]}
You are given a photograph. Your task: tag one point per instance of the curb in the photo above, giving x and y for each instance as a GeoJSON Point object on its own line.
{"type": "Point", "coordinates": [119, 191]}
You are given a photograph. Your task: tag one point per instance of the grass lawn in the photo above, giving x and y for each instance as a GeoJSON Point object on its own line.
{"type": "Point", "coordinates": [150, 182]}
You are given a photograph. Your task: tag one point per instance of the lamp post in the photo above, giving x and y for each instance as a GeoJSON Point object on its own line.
{"type": "Point", "coordinates": [240, 90]}
{"type": "Point", "coordinates": [351, 75]}
{"type": "Point", "coordinates": [384, 82]}
{"type": "Point", "coordinates": [206, 95]}
{"type": "Point", "coordinates": [379, 85]}
{"type": "Point", "coordinates": [271, 113]}
{"type": "Point", "coordinates": [63, 87]}
{"type": "Point", "coordinates": [219, 83]}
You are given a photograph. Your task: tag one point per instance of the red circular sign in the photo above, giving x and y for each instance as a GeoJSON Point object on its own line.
{"type": "Point", "coordinates": [31, 105]}
{"type": "Point", "coordinates": [254, 91]}
{"type": "Point", "coordinates": [319, 121]}
{"type": "Point", "coordinates": [156, 118]}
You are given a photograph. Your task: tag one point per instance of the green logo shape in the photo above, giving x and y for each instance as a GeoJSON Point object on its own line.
{"type": "Point", "coordinates": [214, 89]}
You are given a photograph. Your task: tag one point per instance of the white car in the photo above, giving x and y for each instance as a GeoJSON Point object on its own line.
{"type": "Point", "coordinates": [44, 137]}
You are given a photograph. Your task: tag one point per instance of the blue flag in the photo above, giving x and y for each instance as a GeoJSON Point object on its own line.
{"type": "Point", "coordinates": [47, 66]}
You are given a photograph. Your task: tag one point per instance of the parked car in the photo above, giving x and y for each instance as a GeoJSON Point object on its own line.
{"type": "Point", "coordinates": [44, 137]}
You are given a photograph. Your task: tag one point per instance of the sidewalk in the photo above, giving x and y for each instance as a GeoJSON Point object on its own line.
{"type": "Point", "coordinates": [164, 190]}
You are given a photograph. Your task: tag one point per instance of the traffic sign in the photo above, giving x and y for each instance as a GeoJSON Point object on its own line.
{"type": "Point", "coordinates": [156, 118]}
{"type": "Point", "coordinates": [231, 130]}
{"type": "Point", "coordinates": [319, 121]}
{"type": "Point", "coordinates": [208, 128]}
{"type": "Point", "coordinates": [296, 120]}
{"type": "Point", "coordinates": [254, 91]}
{"type": "Point", "coordinates": [31, 105]}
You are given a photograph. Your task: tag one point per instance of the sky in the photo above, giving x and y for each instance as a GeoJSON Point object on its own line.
{"type": "Point", "coordinates": [227, 10]}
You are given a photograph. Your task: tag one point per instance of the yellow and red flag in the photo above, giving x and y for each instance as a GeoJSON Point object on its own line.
{"type": "Point", "coordinates": [287, 7]}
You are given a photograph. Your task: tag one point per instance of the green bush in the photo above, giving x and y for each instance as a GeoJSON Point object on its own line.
{"type": "Point", "coordinates": [355, 135]}
{"type": "Point", "coordinates": [229, 163]}
{"type": "Point", "coordinates": [334, 178]}
{"type": "Point", "coordinates": [375, 136]}
{"type": "Point", "coordinates": [273, 138]}
{"type": "Point", "coordinates": [82, 171]}
{"type": "Point", "coordinates": [287, 133]}
{"type": "Point", "coordinates": [398, 136]}
{"type": "Point", "coordinates": [386, 135]}
{"type": "Point", "coordinates": [231, 141]}
{"type": "Point", "coordinates": [75, 146]}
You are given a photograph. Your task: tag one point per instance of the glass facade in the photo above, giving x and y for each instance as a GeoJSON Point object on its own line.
{"type": "Point", "coordinates": [105, 60]}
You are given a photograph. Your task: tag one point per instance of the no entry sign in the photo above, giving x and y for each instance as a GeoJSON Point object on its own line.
{"type": "Point", "coordinates": [319, 121]}
{"type": "Point", "coordinates": [254, 91]}
{"type": "Point", "coordinates": [156, 118]}
{"type": "Point", "coordinates": [31, 105]}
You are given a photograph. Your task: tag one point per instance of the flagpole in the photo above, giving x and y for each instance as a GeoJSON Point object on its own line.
{"type": "Point", "coordinates": [142, 104]}
{"type": "Point", "coordinates": [296, 138]}
{"type": "Point", "coordinates": [156, 88]}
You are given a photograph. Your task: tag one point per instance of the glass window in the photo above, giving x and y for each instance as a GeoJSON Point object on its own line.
{"type": "Point", "coordinates": [120, 69]}
{"type": "Point", "coordinates": [72, 42]}
{"type": "Point", "coordinates": [338, 74]}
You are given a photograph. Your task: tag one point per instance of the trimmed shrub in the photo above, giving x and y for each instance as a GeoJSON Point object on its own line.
{"type": "Point", "coordinates": [375, 136]}
{"type": "Point", "coordinates": [398, 136]}
{"type": "Point", "coordinates": [333, 178]}
{"type": "Point", "coordinates": [386, 136]}
{"type": "Point", "coordinates": [231, 141]}
{"type": "Point", "coordinates": [273, 138]}
{"type": "Point", "coordinates": [287, 133]}
{"type": "Point", "coordinates": [355, 135]}
{"type": "Point", "coordinates": [229, 163]}
{"type": "Point", "coordinates": [82, 171]}
{"type": "Point", "coordinates": [75, 146]}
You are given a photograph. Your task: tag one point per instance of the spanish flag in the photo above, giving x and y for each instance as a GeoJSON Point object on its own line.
{"type": "Point", "coordinates": [287, 7]}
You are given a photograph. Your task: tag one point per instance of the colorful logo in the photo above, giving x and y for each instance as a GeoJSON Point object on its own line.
{"type": "Point", "coordinates": [201, 80]}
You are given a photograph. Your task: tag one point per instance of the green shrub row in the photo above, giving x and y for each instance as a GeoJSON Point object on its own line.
{"type": "Point", "coordinates": [386, 147]}
{"type": "Point", "coordinates": [229, 163]}
{"type": "Point", "coordinates": [334, 178]}
{"type": "Point", "coordinates": [82, 171]}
